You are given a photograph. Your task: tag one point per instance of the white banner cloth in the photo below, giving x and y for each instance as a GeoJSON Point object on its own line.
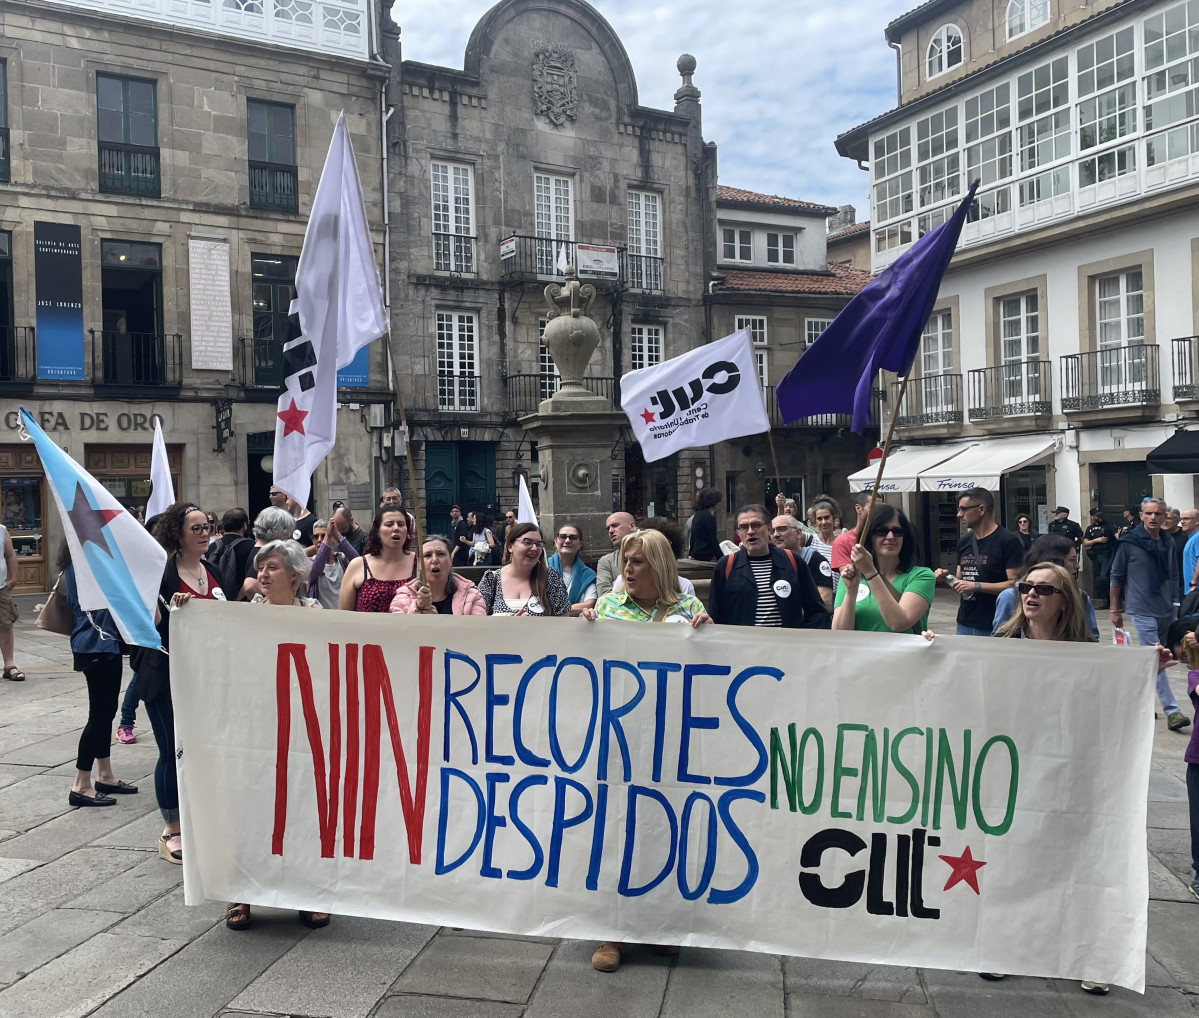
{"type": "Point", "coordinates": [162, 488]}
{"type": "Point", "coordinates": [966, 804]}
{"type": "Point", "coordinates": [702, 397]}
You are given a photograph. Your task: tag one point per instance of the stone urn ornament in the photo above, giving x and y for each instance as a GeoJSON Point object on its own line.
{"type": "Point", "coordinates": [571, 338]}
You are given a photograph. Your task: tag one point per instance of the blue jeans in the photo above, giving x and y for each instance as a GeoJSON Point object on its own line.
{"type": "Point", "coordinates": [1147, 629]}
{"type": "Point", "coordinates": [971, 631]}
{"type": "Point", "coordinates": [129, 703]}
{"type": "Point", "coordinates": [161, 713]}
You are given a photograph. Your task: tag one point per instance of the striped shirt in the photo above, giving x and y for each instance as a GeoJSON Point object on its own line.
{"type": "Point", "coordinates": [766, 610]}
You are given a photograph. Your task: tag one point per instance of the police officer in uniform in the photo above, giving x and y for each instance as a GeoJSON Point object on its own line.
{"type": "Point", "coordinates": [1099, 540]}
{"type": "Point", "coordinates": [1066, 527]}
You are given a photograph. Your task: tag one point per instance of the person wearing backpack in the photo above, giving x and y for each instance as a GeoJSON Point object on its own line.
{"type": "Point", "coordinates": [764, 586]}
{"type": "Point", "coordinates": [228, 557]}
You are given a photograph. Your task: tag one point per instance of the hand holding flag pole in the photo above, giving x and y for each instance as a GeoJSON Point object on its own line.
{"type": "Point", "coordinates": [879, 330]}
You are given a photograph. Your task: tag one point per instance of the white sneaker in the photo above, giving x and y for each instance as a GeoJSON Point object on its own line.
{"type": "Point", "coordinates": [1099, 989]}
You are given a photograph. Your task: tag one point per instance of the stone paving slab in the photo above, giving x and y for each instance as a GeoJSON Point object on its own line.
{"type": "Point", "coordinates": [813, 1005]}
{"type": "Point", "coordinates": [966, 994]}
{"type": "Point", "coordinates": [49, 886]}
{"type": "Point", "coordinates": [852, 979]}
{"type": "Point", "coordinates": [410, 1005]}
{"type": "Point", "coordinates": [715, 984]}
{"type": "Point", "coordinates": [571, 988]}
{"type": "Point", "coordinates": [340, 971]}
{"type": "Point", "coordinates": [488, 969]}
{"type": "Point", "coordinates": [10, 868]}
{"type": "Point", "coordinates": [44, 751]}
{"type": "Point", "coordinates": [75, 828]}
{"type": "Point", "coordinates": [43, 939]}
{"type": "Point", "coordinates": [133, 889]}
{"type": "Point", "coordinates": [12, 773]}
{"type": "Point", "coordinates": [78, 982]}
{"type": "Point", "coordinates": [168, 918]}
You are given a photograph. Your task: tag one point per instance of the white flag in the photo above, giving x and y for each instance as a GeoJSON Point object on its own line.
{"type": "Point", "coordinates": [525, 513]}
{"type": "Point", "coordinates": [702, 397]}
{"type": "Point", "coordinates": [162, 488]}
{"type": "Point", "coordinates": [338, 309]}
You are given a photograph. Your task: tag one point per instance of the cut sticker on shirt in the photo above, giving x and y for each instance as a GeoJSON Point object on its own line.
{"type": "Point", "coordinates": [782, 588]}
{"type": "Point", "coordinates": [826, 569]}
{"type": "Point", "coordinates": [863, 591]}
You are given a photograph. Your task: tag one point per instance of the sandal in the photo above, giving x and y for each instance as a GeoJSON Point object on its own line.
{"type": "Point", "coordinates": [237, 916]}
{"type": "Point", "coordinates": [313, 920]}
{"type": "Point", "coordinates": [167, 851]}
{"type": "Point", "coordinates": [14, 673]}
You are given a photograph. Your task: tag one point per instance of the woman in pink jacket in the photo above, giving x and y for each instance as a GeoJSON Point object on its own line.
{"type": "Point", "coordinates": [443, 593]}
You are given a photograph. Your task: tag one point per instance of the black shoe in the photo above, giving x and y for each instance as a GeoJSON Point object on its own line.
{"type": "Point", "coordinates": [120, 788]}
{"type": "Point", "coordinates": [99, 799]}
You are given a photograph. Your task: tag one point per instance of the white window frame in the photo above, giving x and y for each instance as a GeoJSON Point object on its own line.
{"type": "Point", "coordinates": [1107, 116]}
{"type": "Point", "coordinates": [1020, 347]}
{"type": "Point", "coordinates": [644, 239]}
{"type": "Point", "coordinates": [646, 346]}
{"type": "Point", "coordinates": [452, 206]}
{"type": "Point", "coordinates": [946, 50]}
{"type": "Point", "coordinates": [757, 327]}
{"type": "Point", "coordinates": [550, 379]}
{"type": "Point", "coordinates": [762, 363]}
{"type": "Point", "coordinates": [1024, 16]}
{"type": "Point", "coordinates": [739, 242]}
{"type": "Point", "coordinates": [937, 363]}
{"type": "Point", "coordinates": [780, 248]}
{"type": "Point", "coordinates": [1098, 70]}
{"type": "Point", "coordinates": [457, 361]}
{"type": "Point", "coordinates": [553, 221]}
{"type": "Point", "coordinates": [1120, 324]}
{"type": "Point", "coordinates": [1043, 89]}
{"type": "Point", "coordinates": [813, 328]}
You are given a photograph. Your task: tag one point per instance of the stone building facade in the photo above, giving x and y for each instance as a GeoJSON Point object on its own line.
{"type": "Point", "coordinates": [156, 173]}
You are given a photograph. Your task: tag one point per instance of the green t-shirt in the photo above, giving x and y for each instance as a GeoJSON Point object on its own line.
{"type": "Point", "coordinates": [919, 580]}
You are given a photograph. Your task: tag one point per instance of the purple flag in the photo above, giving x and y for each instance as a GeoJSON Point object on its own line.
{"type": "Point", "coordinates": [879, 329]}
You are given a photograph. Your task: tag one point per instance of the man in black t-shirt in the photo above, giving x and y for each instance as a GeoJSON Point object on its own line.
{"type": "Point", "coordinates": [785, 532]}
{"type": "Point", "coordinates": [989, 560]}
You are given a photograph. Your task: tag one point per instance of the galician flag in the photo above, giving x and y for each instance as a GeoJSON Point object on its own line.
{"type": "Point", "coordinates": [162, 488]}
{"type": "Point", "coordinates": [118, 565]}
{"type": "Point", "coordinates": [704, 396]}
{"type": "Point", "coordinates": [338, 310]}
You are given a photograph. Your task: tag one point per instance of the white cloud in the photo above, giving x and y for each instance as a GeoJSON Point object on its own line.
{"type": "Point", "coordinates": [779, 81]}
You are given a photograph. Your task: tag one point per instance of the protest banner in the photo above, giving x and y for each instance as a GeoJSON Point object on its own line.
{"type": "Point", "coordinates": [968, 804]}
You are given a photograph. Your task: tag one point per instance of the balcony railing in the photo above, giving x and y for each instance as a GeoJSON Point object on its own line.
{"type": "Point", "coordinates": [525, 392]}
{"type": "Point", "coordinates": [5, 161]}
{"type": "Point", "coordinates": [1114, 377]}
{"type": "Point", "coordinates": [129, 169]}
{"type": "Point", "coordinates": [454, 252]}
{"type": "Point", "coordinates": [643, 272]}
{"type": "Point", "coordinates": [137, 358]}
{"type": "Point", "coordinates": [260, 365]}
{"type": "Point", "coordinates": [18, 355]}
{"type": "Point", "coordinates": [929, 399]}
{"type": "Point", "coordinates": [458, 392]}
{"type": "Point", "coordinates": [1016, 389]}
{"type": "Point", "coordinates": [273, 187]}
{"type": "Point", "coordinates": [815, 421]}
{"type": "Point", "coordinates": [1184, 356]}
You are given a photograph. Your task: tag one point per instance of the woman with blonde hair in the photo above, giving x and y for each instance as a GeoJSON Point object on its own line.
{"type": "Point", "coordinates": [651, 591]}
{"type": "Point", "coordinates": [1048, 607]}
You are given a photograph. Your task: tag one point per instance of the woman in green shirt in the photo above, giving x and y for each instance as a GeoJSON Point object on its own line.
{"type": "Point", "coordinates": [882, 591]}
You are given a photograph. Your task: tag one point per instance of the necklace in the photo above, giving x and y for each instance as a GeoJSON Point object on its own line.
{"type": "Point", "coordinates": [201, 578]}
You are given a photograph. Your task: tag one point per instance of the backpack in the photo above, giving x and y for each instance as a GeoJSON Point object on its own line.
{"type": "Point", "coordinates": [222, 560]}
{"type": "Point", "coordinates": [728, 562]}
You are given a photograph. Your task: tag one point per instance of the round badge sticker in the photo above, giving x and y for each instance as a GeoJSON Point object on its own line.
{"type": "Point", "coordinates": [295, 535]}
{"type": "Point", "coordinates": [826, 569]}
{"type": "Point", "coordinates": [677, 619]}
{"type": "Point", "coordinates": [782, 588]}
{"type": "Point", "coordinates": [863, 591]}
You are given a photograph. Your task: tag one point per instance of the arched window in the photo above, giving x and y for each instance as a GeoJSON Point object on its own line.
{"type": "Point", "coordinates": [1025, 15]}
{"type": "Point", "coordinates": [945, 51]}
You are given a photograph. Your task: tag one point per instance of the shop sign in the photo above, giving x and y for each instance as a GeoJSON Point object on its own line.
{"type": "Point", "coordinates": [86, 420]}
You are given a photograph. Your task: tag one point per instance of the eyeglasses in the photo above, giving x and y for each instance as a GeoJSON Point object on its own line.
{"type": "Point", "coordinates": [200, 528]}
{"type": "Point", "coordinates": [531, 544]}
{"type": "Point", "coordinates": [882, 530]}
{"type": "Point", "coordinates": [569, 537]}
{"type": "Point", "coordinates": [967, 508]}
{"type": "Point", "coordinates": [745, 528]}
{"type": "Point", "coordinates": [1042, 589]}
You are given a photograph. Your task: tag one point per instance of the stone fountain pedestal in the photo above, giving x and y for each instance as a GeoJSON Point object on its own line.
{"type": "Point", "coordinates": [577, 432]}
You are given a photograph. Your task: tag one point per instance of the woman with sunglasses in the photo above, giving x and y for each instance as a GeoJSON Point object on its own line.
{"type": "Point", "coordinates": [882, 590]}
{"type": "Point", "coordinates": [1047, 607]}
{"type": "Point", "coordinates": [1060, 551]}
{"type": "Point", "coordinates": [577, 576]}
{"type": "Point", "coordinates": [525, 585]}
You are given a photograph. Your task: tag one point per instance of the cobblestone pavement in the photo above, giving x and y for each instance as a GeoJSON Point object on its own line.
{"type": "Point", "coordinates": [92, 922]}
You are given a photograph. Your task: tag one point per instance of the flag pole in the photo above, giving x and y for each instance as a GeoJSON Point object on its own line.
{"type": "Point", "coordinates": [882, 462]}
{"type": "Point", "coordinates": [774, 461]}
{"type": "Point", "coordinates": [420, 543]}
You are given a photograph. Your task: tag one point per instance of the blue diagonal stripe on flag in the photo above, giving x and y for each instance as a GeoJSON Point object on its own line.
{"type": "Point", "coordinates": [118, 565]}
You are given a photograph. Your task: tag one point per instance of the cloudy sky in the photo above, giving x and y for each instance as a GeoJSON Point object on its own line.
{"type": "Point", "coordinates": [779, 81]}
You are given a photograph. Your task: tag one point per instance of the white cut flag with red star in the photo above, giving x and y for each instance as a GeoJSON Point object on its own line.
{"type": "Point", "coordinates": [338, 309]}
{"type": "Point", "coordinates": [702, 397]}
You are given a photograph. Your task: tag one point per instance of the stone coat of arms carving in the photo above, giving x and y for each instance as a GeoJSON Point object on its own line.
{"type": "Point", "coordinates": [555, 84]}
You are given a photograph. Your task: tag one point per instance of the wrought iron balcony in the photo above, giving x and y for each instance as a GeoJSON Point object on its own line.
{"type": "Point", "coordinates": [273, 187]}
{"type": "Point", "coordinates": [1114, 377]}
{"type": "Point", "coordinates": [5, 161]}
{"type": "Point", "coordinates": [137, 359]}
{"type": "Point", "coordinates": [1184, 356]}
{"type": "Point", "coordinates": [815, 421]}
{"type": "Point", "coordinates": [458, 393]}
{"type": "Point", "coordinates": [532, 258]}
{"type": "Point", "coordinates": [260, 366]}
{"type": "Point", "coordinates": [929, 399]}
{"type": "Point", "coordinates": [129, 169]}
{"type": "Point", "coordinates": [18, 356]}
{"type": "Point", "coordinates": [454, 252]}
{"type": "Point", "coordinates": [1016, 389]}
{"type": "Point", "coordinates": [525, 392]}
{"type": "Point", "coordinates": [643, 272]}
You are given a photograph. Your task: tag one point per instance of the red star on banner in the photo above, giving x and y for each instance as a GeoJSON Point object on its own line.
{"type": "Point", "coordinates": [293, 419]}
{"type": "Point", "coordinates": [647, 415]}
{"type": "Point", "coordinates": [965, 867]}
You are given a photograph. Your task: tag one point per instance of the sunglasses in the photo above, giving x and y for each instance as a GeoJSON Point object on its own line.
{"type": "Point", "coordinates": [1041, 589]}
{"type": "Point", "coordinates": [967, 508]}
{"type": "Point", "coordinates": [883, 531]}
{"type": "Point", "coordinates": [569, 537]}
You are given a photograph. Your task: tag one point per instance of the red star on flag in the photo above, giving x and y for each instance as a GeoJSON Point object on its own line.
{"type": "Point", "coordinates": [293, 419]}
{"type": "Point", "coordinates": [647, 415]}
{"type": "Point", "coordinates": [965, 867]}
